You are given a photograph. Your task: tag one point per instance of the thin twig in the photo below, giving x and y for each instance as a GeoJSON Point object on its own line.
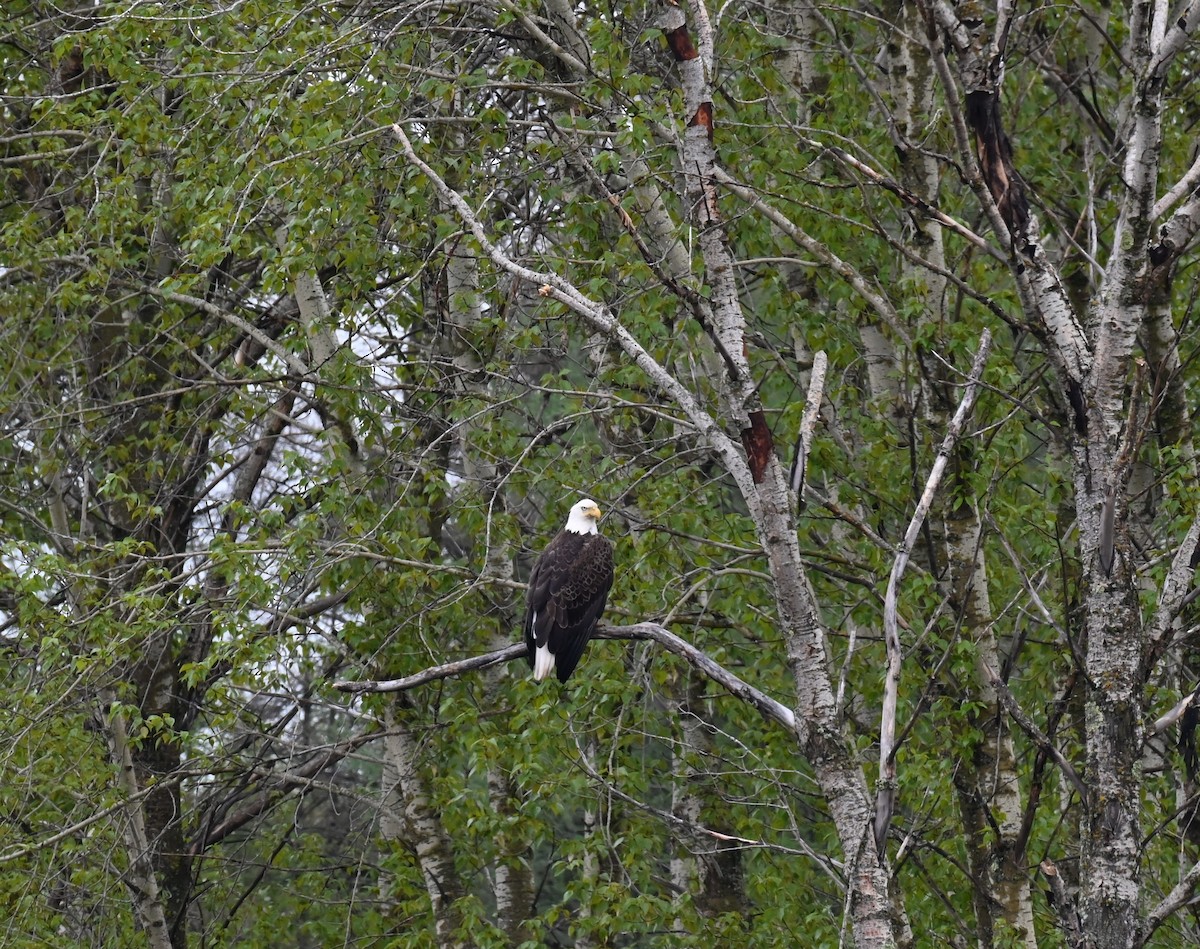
{"type": "Point", "coordinates": [1009, 701]}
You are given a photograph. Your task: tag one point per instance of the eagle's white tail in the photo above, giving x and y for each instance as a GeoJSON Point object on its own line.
{"type": "Point", "coordinates": [543, 662]}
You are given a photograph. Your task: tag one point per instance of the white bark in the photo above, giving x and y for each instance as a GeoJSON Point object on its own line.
{"type": "Point", "coordinates": [799, 59]}
{"type": "Point", "coordinates": [315, 313]}
{"type": "Point", "coordinates": [408, 817]}
{"type": "Point", "coordinates": [699, 166]}
{"type": "Point", "coordinates": [885, 800]}
{"type": "Point", "coordinates": [143, 881]}
{"type": "Point", "coordinates": [991, 778]}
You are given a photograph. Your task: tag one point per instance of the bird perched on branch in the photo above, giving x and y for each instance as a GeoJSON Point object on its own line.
{"type": "Point", "coordinates": [567, 591]}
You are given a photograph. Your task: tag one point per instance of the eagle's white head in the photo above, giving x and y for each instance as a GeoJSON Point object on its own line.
{"type": "Point", "coordinates": [583, 517]}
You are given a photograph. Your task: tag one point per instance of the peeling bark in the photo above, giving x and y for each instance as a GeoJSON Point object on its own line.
{"type": "Point", "coordinates": [994, 152]}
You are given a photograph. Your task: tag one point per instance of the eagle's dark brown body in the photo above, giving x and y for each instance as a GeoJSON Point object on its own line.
{"type": "Point", "coordinates": [567, 591]}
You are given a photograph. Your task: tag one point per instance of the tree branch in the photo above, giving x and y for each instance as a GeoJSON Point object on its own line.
{"type": "Point", "coordinates": [1009, 701]}
{"type": "Point", "coordinates": [554, 287]}
{"type": "Point", "coordinates": [1169, 718]}
{"type": "Point", "coordinates": [808, 424]}
{"type": "Point", "coordinates": [447, 670]}
{"type": "Point", "coordinates": [1174, 901]}
{"type": "Point", "coordinates": [47, 842]}
{"type": "Point", "coordinates": [885, 798]}
{"type": "Point", "coordinates": [295, 365]}
{"type": "Point", "coordinates": [275, 787]}
{"type": "Point", "coordinates": [769, 707]}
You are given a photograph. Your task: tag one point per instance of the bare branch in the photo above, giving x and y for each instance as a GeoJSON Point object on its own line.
{"type": "Point", "coordinates": [1009, 701]}
{"type": "Point", "coordinates": [294, 364]}
{"type": "Point", "coordinates": [277, 786]}
{"type": "Point", "coordinates": [808, 422]}
{"type": "Point", "coordinates": [769, 707]}
{"type": "Point", "coordinates": [886, 795]}
{"type": "Point", "coordinates": [912, 200]}
{"type": "Point", "coordinates": [1174, 591]}
{"type": "Point", "coordinates": [1176, 39]}
{"type": "Point", "coordinates": [1183, 187]}
{"type": "Point", "coordinates": [554, 287]}
{"type": "Point", "coordinates": [870, 295]}
{"type": "Point", "coordinates": [1167, 719]}
{"type": "Point", "coordinates": [1177, 232]}
{"type": "Point", "coordinates": [447, 670]}
{"type": "Point", "coordinates": [1180, 896]}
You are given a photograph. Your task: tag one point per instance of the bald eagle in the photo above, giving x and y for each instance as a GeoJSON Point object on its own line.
{"type": "Point", "coordinates": [567, 591]}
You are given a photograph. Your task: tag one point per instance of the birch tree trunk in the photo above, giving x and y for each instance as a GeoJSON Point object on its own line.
{"type": "Point", "coordinates": [763, 484]}
{"type": "Point", "coordinates": [409, 819]}
{"type": "Point", "coordinates": [143, 878]}
{"type": "Point", "coordinates": [1093, 358]}
{"type": "Point", "coordinates": [989, 791]}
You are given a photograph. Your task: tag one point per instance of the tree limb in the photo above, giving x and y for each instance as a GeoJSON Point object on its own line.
{"type": "Point", "coordinates": [1169, 718]}
{"type": "Point", "coordinates": [275, 787]}
{"type": "Point", "coordinates": [1174, 901]}
{"type": "Point", "coordinates": [769, 707]}
{"type": "Point", "coordinates": [808, 424]}
{"type": "Point", "coordinates": [885, 798]}
{"type": "Point", "coordinates": [554, 287]}
{"type": "Point", "coordinates": [1009, 701]}
{"type": "Point", "coordinates": [447, 670]}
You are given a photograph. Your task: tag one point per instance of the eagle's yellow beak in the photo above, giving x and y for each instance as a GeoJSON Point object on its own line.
{"type": "Point", "coordinates": [593, 511]}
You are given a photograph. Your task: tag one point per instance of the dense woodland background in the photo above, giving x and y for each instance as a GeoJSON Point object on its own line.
{"type": "Point", "coordinates": [872, 329]}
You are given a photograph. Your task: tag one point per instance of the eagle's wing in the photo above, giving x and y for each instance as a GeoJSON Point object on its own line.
{"type": "Point", "coordinates": [568, 589]}
{"type": "Point", "coordinates": [581, 600]}
{"type": "Point", "coordinates": [535, 608]}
